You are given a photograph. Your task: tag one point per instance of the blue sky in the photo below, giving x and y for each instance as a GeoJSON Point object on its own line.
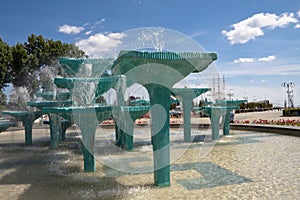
{"type": "Point", "coordinates": [257, 41]}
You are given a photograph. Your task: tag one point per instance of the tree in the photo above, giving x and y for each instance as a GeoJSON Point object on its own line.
{"type": "Point", "coordinates": [5, 61]}
{"type": "Point", "coordinates": [35, 54]}
{"type": "Point", "coordinates": [2, 101]}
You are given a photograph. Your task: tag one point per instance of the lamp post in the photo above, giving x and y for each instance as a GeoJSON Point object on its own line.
{"type": "Point", "coordinates": [289, 92]}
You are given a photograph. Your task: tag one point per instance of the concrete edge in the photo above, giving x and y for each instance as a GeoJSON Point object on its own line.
{"type": "Point", "coordinates": [284, 130]}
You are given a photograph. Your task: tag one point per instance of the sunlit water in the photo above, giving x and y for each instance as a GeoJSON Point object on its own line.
{"type": "Point", "coordinates": [244, 165]}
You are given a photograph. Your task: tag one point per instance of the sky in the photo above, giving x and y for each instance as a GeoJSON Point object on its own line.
{"type": "Point", "coordinates": [257, 41]}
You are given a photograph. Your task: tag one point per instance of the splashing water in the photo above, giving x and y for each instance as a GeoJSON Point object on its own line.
{"type": "Point", "coordinates": [84, 91]}
{"type": "Point", "coordinates": [153, 38]}
{"type": "Point", "coordinates": [19, 98]}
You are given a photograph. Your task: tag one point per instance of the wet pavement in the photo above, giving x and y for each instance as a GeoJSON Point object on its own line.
{"type": "Point", "coordinates": [243, 165]}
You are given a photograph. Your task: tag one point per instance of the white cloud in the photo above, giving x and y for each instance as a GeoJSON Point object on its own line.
{"type": "Point", "coordinates": [252, 27]}
{"type": "Point", "coordinates": [267, 59]}
{"type": "Point", "coordinates": [88, 32]}
{"type": "Point", "coordinates": [100, 21]}
{"type": "Point", "coordinates": [298, 13]}
{"type": "Point", "coordinates": [251, 60]}
{"type": "Point", "coordinates": [244, 60]}
{"type": "Point", "coordinates": [100, 44]}
{"type": "Point", "coordinates": [68, 29]}
{"type": "Point", "coordinates": [259, 69]}
{"type": "Point", "coordinates": [297, 26]}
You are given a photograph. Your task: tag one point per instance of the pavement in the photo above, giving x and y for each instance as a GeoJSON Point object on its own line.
{"type": "Point", "coordinates": [231, 168]}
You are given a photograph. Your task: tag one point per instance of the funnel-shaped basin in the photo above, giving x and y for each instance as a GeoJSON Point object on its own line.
{"type": "Point", "coordinates": [158, 72]}
{"type": "Point", "coordinates": [229, 102]}
{"type": "Point", "coordinates": [42, 104]}
{"type": "Point", "coordinates": [102, 84]}
{"type": "Point", "coordinates": [124, 118]}
{"type": "Point", "coordinates": [60, 96]}
{"type": "Point", "coordinates": [4, 126]}
{"type": "Point", "coordinates": [186, 95]}
{"type": "Point", "coordinates": [27, 118]}
{"type": "Point", "coordinates": [190, 93]}
{"type": "Point", "coordinates": [74, 66]}
{"type": "Point", "coordinates": [164, 68]}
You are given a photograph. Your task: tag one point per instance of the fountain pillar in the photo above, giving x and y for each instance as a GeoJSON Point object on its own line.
{"type": "Point", "coordinates": [187, 107]}
{"type": "Point", "coordinates": [160, 132]}
{"type": "Point", "coordinates": [226, 123]}
{"type": "Point", "coordinates": [87, 122]}
{"type": "Point", "coordinates": [186, 95]}
{"type": "Point", "coordinates": [27, 119]}
{"type": "Point", "coordinates": [55, 130]}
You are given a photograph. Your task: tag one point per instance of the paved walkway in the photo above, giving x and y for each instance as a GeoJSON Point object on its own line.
{"type": "Point", "coordinates": [244, 165]}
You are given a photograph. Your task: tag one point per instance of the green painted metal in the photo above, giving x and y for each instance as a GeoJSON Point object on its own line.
{"type": "Point", "coordinates": [186, 95]}
{"type": "Point", "coordinates": [160, 133]}
{"type": "Point", "coordinates": [56, 130]}
{"type": "Point", "coordinates": [215, 113]}
{"type": "Point", "coordinates": [188, 61]}
{"type": "Point", "coordinates": [226, 116]}
{"type": "Point", "coordinates": [87, 119]}
{"type": "Point", "coordinates": [139, 102]}
{"type": "Point", "coordinates": [158, 72]}
{"type": "Point", "coordinates": [43, 104]}
{"type": "Point", "coordinates": [4, 125]}
{"type": "Point", "coordinates": [60, 96]}
{"type": "Point", "coordinates": [72, 66]}
{"type": "Point", "coordinates": [27, 119]}
{"type": "Point", "coordinates": [124, 128]}
{"type": "Point", "coordinates": [103, 84]}
{"type": "Point", "coordinates": [86, 115]}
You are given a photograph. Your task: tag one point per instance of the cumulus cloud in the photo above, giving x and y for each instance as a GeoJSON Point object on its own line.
{"type": "Point", "coordinates": [253, 26]}
{"type": "Point", "coordinates": [100, 44]}
{"type": "Point", "coordinates": [243, 60]}
{"type": "Point", "coordinates": [297, 26]}
{"type": "Point", "coordinates": [68, 29]}
{"type": "Point", "coordinates": [88, 32]}
{"type": "Point", "coordinates": [267, 59]}
{"type": "Point", "coordinates": [250, 60]}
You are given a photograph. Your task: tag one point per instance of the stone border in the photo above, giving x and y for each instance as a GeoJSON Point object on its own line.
{"type": "Point", "coordinates": [284, 130]}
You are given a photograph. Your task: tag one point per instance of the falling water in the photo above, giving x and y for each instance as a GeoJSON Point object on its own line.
{"type": "Point", "coordinates": [83, 93]}
{"type": "Point", "coordinates": [19, 98]}
{"type": "Point", "coordinates": [151, 39]}
{"type": "Point", "coordinates": [47, 75]}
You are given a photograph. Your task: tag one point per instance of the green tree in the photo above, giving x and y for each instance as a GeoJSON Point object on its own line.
{"type": "Point", "coordinates": [5, 61]}
{"type": "Point", "coordinates": [37, 53]}
{"type": "Point", "coordinates": [2, 101]}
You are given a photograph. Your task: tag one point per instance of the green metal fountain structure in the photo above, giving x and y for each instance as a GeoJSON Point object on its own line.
{"type": "Point", "coordinates": [5, 125]}
{"type": "Point", "coordinates": [56, 129]}
{"type": "Point", "coordinates": [221, 108]}
{"type": "Point", "coordinates": [27, 118]}
{"type": "Point", "coordinates": [186, 95]}
{"type": "Point", "coordinates": [226, 117]}
{"type": "Point", "coordinates": [86, 114]}
{"type": "Point", "coordinates": [158, 72]}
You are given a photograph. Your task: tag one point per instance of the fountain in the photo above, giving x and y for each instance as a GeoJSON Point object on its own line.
{"type": "Point", "coordinates": [150, 69]}
{"type": "Point", "coordinates": [186, 95]}
{"type": "Point", "coordinates": [56, 132]}
{"type": "Point", "coordinates": [5, 125]}
{"type": "Point", "coordinates": [124, 128]}
{"type": "Point", "coordinates": [221, 108]}
{"type": "Point", "coordinates": [226, 117]}
{"type": "Point", "coordinates": [27, 118]}
{"type": "Point", "coordinates": [86, 114]}
{"type": "Point", "coordinates": [59, 96]}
